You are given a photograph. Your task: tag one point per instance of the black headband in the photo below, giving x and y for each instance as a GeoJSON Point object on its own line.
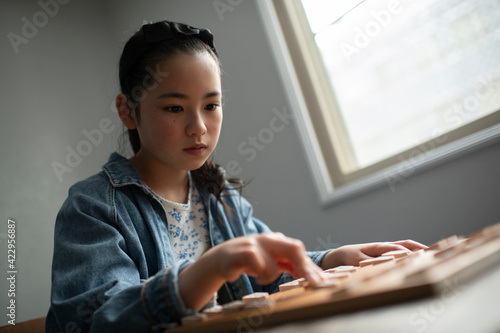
{"type": "Point", "coordinates": [152, 33]}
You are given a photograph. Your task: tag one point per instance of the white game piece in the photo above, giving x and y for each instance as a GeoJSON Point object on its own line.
{"type": "Point", "coordinates": [260, 304]}
{"type": "Point", "coordinates": [255, 296]}
{"type": "Point", "coordinates": [212, 310]}
{"type": "Point", "coordinates": [327, 284]}
{"type": "Point", "coordinates": [342, 269]}
{"type": "Point", "coordinates": [338, 275]}
{"type": "Point", "coordinates": [289, 285]}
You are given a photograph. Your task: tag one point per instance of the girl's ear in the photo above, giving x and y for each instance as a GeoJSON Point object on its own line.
{"type": "Point", "coordinates": [125, 112]}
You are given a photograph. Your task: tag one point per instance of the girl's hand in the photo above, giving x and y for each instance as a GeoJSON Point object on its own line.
{"type": "Point", "coordinates": [264, 256]}
{"type": "Point", "coordinates": [353, 254]}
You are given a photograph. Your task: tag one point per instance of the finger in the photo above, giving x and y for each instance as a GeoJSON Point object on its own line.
{"type": "Point", "coordinates": [279, 235]}
{"type": "Point", "coordinates": [255, 262]}
{"type": "Point", "coordinates": [255, 259]}
{"type": "Point", "coordinates": [286, 266]}
{"type": "Point", "coordinates": [362, 256]}
{"type": "Point", "coordinates": [411, 245]}
{"type": "Point", "coordinates": [270, 271]}
{"type": "Point", "coordinates": [290, 254]}
{"type": "Point", "coordinates": [373, 250]}
{"type": "Point", "coordinates": [313, 273]}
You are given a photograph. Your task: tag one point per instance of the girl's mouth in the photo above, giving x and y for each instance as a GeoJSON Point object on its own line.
{"type": "Point", "coordinates": [196, 150]}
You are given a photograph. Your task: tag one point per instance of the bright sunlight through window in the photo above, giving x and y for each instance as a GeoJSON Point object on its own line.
{"type": "Point", "coordinates": [383, 88]}
{"type": "Point", "coordinates": [404, 72]}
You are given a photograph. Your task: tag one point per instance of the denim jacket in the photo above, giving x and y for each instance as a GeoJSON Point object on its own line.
{"type": "Point", "coordinates": [113, 272]}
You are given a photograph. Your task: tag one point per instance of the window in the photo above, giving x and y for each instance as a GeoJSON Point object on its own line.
{"type": "Point", "coordinates": [383, 83]}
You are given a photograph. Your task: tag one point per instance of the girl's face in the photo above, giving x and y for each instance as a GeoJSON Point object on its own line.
{"type": "Point", "coordinates": [181, 112]}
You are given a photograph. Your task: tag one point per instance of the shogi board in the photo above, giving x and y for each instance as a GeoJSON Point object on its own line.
{"type": "Point", "coordinates": [400, 278]}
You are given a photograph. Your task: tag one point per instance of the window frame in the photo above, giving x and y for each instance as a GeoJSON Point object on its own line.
{"type": "Point", "coordinates": [310, 93]}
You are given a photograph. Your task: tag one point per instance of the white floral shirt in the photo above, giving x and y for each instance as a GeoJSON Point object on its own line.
{"type": "Point", "coordinates": [187, 226]}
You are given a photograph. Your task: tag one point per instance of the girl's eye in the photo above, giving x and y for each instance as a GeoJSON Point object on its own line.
{"type": "Point", "coordinates": [173, 108]}
{"type": "Point", "coordinates": [211, 107]}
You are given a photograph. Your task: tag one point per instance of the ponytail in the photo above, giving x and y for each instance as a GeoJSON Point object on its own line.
{"type": "Point", "coordinates": [212, 178]}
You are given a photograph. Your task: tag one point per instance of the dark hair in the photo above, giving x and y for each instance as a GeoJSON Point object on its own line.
{"type": "Point", "coordinates": [141, 74]}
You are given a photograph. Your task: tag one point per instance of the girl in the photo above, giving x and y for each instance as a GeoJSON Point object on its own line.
{"type": "Point", "coordinates": [150, 239]}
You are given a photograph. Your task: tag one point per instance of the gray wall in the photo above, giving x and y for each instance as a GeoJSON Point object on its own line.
{"type": "Point", "coordinates": [63, 82]}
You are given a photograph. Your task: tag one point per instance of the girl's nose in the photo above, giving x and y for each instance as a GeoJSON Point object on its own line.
{"type": "Point", "coordinates": [196, 125]}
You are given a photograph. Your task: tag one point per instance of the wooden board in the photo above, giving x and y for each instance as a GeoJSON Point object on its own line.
{"type": "Point", "coordinates": [405, 277]}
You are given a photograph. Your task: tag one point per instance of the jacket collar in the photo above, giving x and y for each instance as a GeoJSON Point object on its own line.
{"type": "Point", "coordinates": [121, 172]}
